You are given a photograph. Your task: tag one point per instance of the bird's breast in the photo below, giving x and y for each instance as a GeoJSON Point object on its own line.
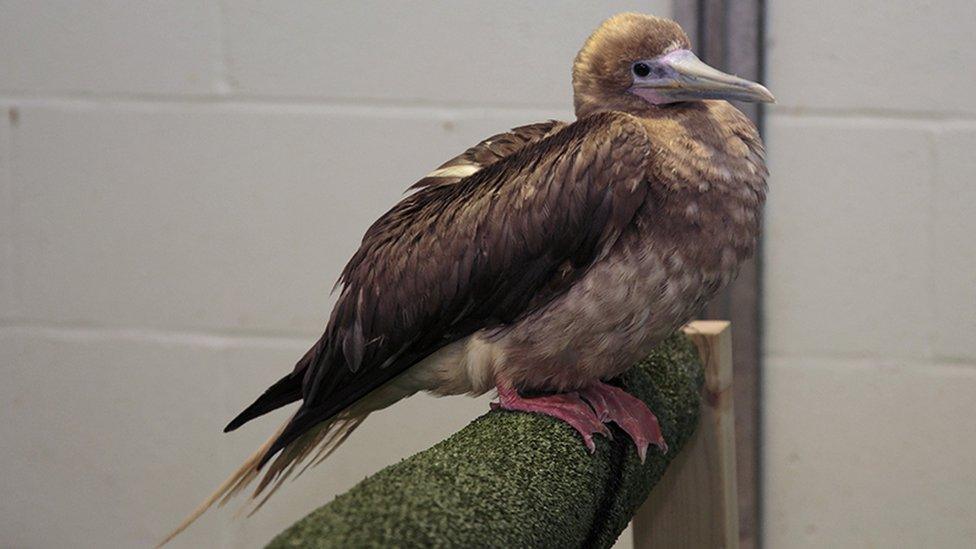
{"type": "Point", "coordinates": [700, 221]}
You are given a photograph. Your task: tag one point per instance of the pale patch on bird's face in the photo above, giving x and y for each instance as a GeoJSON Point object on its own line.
{"type": "Point", "coordinates": [651, 77]}
{"type": "Point", "coordinates": [678, 75]}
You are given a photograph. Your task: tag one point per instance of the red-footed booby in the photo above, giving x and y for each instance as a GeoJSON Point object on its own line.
{"type": "Point", "coordinates": [542, 261]}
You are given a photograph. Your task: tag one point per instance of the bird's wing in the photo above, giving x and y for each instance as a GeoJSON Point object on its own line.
{"type": "Point", "coordinates": [488, 152]}
{"type": "Point", "coordinates": [451, 259]}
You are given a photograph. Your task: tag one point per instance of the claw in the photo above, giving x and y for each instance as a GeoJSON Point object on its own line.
{"type": "Point", "coordinates": [630, 413]}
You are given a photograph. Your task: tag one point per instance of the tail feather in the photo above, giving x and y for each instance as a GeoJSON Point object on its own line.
{"type": "Point", "coordinates": [321, 440]}
{"type": "Point", "coordinates": [285, 391]}
{"type": "Point", "coordinates": [329, 446]}
{"type": "Point", "coordinates": [234, 483]}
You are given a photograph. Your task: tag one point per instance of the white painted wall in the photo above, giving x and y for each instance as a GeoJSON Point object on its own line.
{"type": "Point", "coordinates": [871, 275]}
{"type": "Point", "coordinates": [180, 184]}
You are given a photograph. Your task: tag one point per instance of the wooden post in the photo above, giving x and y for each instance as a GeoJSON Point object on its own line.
{"type": "Point", "coordinates": [695, 505]}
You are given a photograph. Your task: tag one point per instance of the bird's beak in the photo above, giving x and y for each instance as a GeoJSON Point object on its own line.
{"type": "Point", "coordinates": [685, 77]}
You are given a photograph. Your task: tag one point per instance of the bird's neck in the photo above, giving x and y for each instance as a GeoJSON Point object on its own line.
{"type": "Point", "coordinates": [589, 108]}
{"type": "Point", "coordinates": [633, 105]}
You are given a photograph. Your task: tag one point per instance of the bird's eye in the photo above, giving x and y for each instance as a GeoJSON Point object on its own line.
{"type": "Point", "coordinates": [641, 69]}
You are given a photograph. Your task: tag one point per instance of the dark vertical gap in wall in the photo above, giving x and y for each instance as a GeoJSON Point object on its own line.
{"type": "Point", "coordinates": [687, 13]}
{"type": "Point", "coordinates": [759, 485]}
{"type": "Point", "coordinates": [701, 25]}
{"type": "Point", "coordinates": [729, 34]}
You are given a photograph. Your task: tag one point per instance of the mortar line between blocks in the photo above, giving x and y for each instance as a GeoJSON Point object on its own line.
{"type": "Point", "coordinates": [196, 337]}
{"type": "Point", "coordinates": [288, 103]}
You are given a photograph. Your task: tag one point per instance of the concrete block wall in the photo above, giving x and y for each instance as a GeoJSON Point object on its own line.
{"type": "Point", "coordinates": [871, 275]}
{"type": "Point", "coordinates": [180, 184]}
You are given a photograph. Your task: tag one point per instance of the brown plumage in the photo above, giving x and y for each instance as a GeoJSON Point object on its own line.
{"type": "Point", "coordinates": [546, 258]}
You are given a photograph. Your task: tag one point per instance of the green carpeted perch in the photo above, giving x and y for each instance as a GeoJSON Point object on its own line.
{"type": "Point", "coordinates": [516, 480]}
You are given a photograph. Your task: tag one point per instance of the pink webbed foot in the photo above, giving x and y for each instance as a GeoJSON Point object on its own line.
{"type": "Point", "coordinates": [630, 413]}
{"type": "Point", "coordinates": [567, 407]}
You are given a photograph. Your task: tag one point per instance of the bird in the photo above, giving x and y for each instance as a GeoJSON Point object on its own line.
{"type": "Point", "coordinates": [541, 262]}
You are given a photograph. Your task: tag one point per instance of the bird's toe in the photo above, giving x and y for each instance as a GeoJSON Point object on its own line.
{"type": "Point", "coordinates": [630, 413]}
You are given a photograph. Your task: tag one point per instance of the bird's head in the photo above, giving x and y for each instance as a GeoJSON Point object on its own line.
{"type": "Point", "coordinates": [634, 60]}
